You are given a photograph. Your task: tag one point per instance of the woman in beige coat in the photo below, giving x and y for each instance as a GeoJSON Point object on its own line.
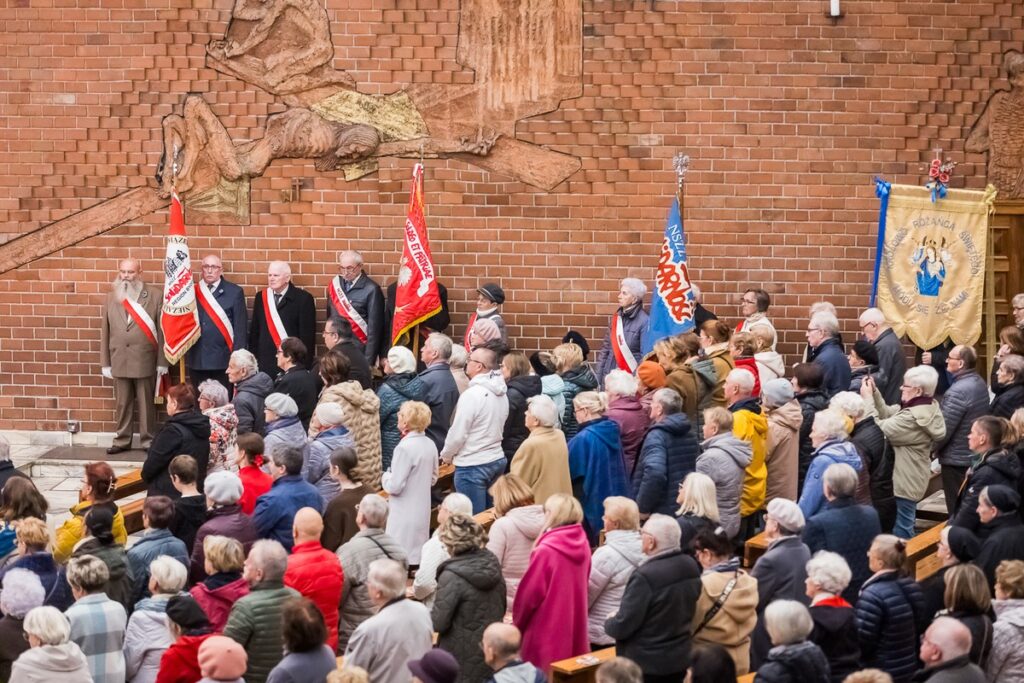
{"type": "Point", "coordinates": [782, 457]}
{"type": "Point", "coordinates": [732, 623]}
{"type": "Point", "coordinates": [542, 461]}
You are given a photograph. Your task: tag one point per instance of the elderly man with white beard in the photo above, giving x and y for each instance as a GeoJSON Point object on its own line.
{"type": "Point", "coordinates": [131, 345]}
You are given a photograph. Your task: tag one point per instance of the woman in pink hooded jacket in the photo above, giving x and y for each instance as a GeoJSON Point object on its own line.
{"type": "Point", "coordinates": [518, 524]}
{"type": "Point", "coordinates": [551, 602]}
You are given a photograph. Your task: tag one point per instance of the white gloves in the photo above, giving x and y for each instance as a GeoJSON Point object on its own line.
{"type": "Point", "coordinates": [107, 373]}
{"type": "Point", "coordinates": [161, 370]}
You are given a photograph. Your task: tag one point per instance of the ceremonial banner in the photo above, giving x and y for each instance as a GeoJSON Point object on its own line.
{"type": "Point", "coordinates": [672, 303]}
{"type": "Point", "coordinates": [416, 297]}
{"type": "Point", "coordinates": [930, 264]}
{"type": "Point", "coordinates": [179, 319]}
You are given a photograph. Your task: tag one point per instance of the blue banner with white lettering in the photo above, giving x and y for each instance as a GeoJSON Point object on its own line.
{"type": "Point", "coordinates": [672, 302]}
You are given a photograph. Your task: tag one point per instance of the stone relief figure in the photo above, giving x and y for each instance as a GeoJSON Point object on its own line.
{"type": "Point", "coordinates": [1000, 132]}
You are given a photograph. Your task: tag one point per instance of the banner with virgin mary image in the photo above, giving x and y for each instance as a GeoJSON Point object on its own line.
{"type": "Point", "coordinates": [930, 264]}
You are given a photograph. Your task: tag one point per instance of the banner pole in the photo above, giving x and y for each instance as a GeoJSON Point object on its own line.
{"type": "Point", "coordinates": [990, 301]}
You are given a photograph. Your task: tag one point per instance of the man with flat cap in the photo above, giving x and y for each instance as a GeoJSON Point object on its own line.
{"type": "Point", "coordinates": [489, 297]}
{"type": "Point", "coordinates": [280, 311]}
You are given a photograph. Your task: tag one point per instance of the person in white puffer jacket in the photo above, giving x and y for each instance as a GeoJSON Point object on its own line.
{"type": "Point", "coordinates": [511, 537]}
{"type": "Point", "coordinates": [611, 565]}
{"type": "Point", "coordinates": [433, 553]}
{"type": "Point", "coordinates": [147, 635]}
{"type": "Point", "coordinates": [474, 440]}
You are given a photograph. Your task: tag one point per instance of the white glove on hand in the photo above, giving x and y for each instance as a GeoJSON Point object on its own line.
{"type": "Point", "coordinates": [106, 372]}
{"type": "Point", "coordinates": [161, 371]}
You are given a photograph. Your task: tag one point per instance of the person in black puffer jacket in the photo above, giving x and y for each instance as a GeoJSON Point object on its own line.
{"type": "Point", "coordinates": [890, 612]}
{"type": "Point", "coordinates": [876, 453]}
{"type": "Point", "coordinates": [186, 432]}
{"type": "Point", "coordinates": [668, 454]}
{"type": "Point", "coordinates": [570, 366]}
{"type": "Point", "coordinates": [521, 385]}
{"type": "Point", "coordinates": [835, 621]}
{"type": "Point", "coordinates": [995, 466]}
{"type": "Point", "coordinates": [400, 385]}
{"type": "Point", "coordinates": [807, 385]}
{"type": "Point", "coordinates": [1011, 377]}
{"type": "Point", "coordinates": [470, 595]}
{"type": "Point", "coordinates": [793, 659]}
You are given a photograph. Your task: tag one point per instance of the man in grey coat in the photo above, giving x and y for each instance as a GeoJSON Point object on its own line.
{"type": "Point", "coordinates": [400, 631]}
{"type": "Point", "coordinates": [964, 402]}
{"type": "Point", "coordinates": [442, 393]}
{"type": "Point", "coordinates": [371, 543]}
{"type": "Point", "coordinates": [892, 362]}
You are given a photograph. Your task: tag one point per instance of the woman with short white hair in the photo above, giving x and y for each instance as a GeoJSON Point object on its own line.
{"type": "Point", "coordinates": [912, 428]}
{"type": "Point", "coordinates": [628, 323]}
{"type": "Point", "coordinates": [51, 656]}
{"type": "Point", "coordinates": [830, 439]}
{"type": "Point", "coordinates": [22, 592]}
{"type": "Point", "coordinates": [213, 402]}
{"type": "Point", "coordinates": [793, 659]}
{"type": "Point", "coordinates": [835, 622]}
{"type": "Point", "coordinates": [433, 553]}
{"type": "Point", "coordinates": [147, 636]}
{"type": "Point", "coordinates": [625, 410]}
{"type": "Point", "coordinates": [251, 389]}
{"type": "Point", "coordinates": [542, 461]}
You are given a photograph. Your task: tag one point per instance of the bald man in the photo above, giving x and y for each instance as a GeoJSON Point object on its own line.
{"type": "Point", "coordinates": [501, 644]}
{"type": "Point", "coordinates": [131, 352]}
{"type": "Point", "coordinates": [281, 310]}
{"type": "Point", "coordinates": [314, 571]}
{"type": "Point", "coordinates": [945, 651]}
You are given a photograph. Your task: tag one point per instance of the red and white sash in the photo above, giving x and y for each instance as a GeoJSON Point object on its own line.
{"type": "Point", "coordinates": [347, 311]}
{"type": "Point", "coordinates": [623, 356]}
{"type": "Point", "coordinates": [273, 318]}
{"type": "Point", "coordinates": [217, 314]}
{"type": "Point", "coordinates": [142, 319]}
{"type": "Point", "coordinates": [469, 328]}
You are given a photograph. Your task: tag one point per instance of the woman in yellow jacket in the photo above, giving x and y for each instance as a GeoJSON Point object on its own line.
{"type": "Point", "coordinates": [97, 489]}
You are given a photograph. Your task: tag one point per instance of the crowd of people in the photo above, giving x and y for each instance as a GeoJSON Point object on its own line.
{"type": "Point", "coordinates": [287, 531]}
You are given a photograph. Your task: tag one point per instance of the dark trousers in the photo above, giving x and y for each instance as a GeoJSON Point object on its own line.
{"type": "Point", "coordinates": [952, 480]}
{"type": "Point", "coordinates": [197, 377]}
{"type": "Point", "coordinates": [750, 526]}
{"type": "Point", "coordinates": [665, 678]}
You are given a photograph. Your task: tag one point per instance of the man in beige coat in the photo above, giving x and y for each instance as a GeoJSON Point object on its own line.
{"type": "Point", "coordinates": [131, 352]}
{"type": "Point", "coordinates": [542, 461]}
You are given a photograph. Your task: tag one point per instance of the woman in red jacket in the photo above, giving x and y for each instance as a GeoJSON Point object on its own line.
{"type": "Point", "coordinates": [249, 460]}
{"type": "Point", "coordinates": [190, 627]}
{"type": "Point", "coordinates": [223, 585]}
{"type": "Point", "coordinates": [551, 602]}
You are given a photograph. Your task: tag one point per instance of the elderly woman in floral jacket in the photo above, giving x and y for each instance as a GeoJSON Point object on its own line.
{"type": "Point", "coordinates": [213, 402]}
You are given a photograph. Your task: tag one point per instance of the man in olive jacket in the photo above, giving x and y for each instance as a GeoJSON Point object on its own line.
{"type": "Point", "coordinates": [652, 626]}
{"type": "Point", "coordinates": [255, 620]}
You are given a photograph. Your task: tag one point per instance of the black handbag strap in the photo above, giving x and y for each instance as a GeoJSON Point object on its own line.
{"type": "Point", "coordinates": [717, 607]}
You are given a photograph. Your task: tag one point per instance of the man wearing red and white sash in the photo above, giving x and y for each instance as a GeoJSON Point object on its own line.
{"type": "Point", "coordinates": [223, 325]}
{"type": "Point", "coordinates": [279, 311]}
{"type": "Point", "coordinates": [356, 298]}
{"type": "Point", "coordinates": [131, 352]}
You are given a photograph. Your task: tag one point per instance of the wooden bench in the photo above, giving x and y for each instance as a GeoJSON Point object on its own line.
{"type": "Point", "coordinates": [485, 518]}
{"type": "Point", "coordinates": [580, 669]}
{"type": "Point", "coordinates": [754, 548]}
{"type": "Point", "coordinates": [922, 557]}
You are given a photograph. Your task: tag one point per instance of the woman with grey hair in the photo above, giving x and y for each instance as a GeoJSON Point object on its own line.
{"type": "Point", "coordinates": [1010, 376]}
{"type": "Point", "coordinates": [147, 636]}
{"type": "Point", "coordinates": [51, 656]}
{"type": "Point", "coordinates": [831, 445]}
{"type": "Point", "coordinates": [628, 325]}
{"type": "Point", "coordinates": [794, 659]}
{"type": "Point", "coordinates": [835, 622]}
{"type": "Point", "coordinates": [912, 428]}
{"type": "Point", "coordinates": [213, 402]}
{"type": "Point", "coordinates": [433, 553]}
{"type": "Point", "coordinates": [22, 592]}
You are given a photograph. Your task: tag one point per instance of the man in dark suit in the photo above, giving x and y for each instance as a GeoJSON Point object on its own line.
{"type": "Point", "coordinates": [353, 296]}
{"type": "Point", "coordinates": [338, 334]}
{"type": "Point", "coordinates": [280, 311]}
{"type": "Point", "coordinates": [222, 312]}
{"type": "Point", "coordinates": [131, 352]}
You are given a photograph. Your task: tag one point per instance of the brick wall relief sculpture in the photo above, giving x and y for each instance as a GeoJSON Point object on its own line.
{"type": "Point", "coordinates": [1000, 132]}
{"type": "Point", "coordinates": [526, 56]}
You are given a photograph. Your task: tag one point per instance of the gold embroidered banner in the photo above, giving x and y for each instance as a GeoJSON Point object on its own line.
{"type": "Point", "coordinates": [931, 270]}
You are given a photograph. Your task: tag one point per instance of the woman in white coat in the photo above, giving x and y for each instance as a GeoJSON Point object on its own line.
{"type": "Point", "coordinates": [413, 471]}
{"type": "Point", "coordinates": [147, 636]}
{"type": "Point", "coordinates": [612, 565]}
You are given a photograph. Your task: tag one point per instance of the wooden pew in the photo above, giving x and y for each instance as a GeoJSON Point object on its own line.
{"type": "Point", "coordinates": [485, 518]}
{"type": "Point", "coordinates": [922, 560]}
{"type": "Point", "coordinates": [753, 549]}
{"type": "Point", "coordinates": [132, 512]}
{"type": "Point", "coordinates": [580, 669]}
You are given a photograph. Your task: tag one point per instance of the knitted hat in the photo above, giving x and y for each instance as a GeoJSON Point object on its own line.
{"type": "Point", "coordinates": [437, 666]}
{"type": "Point", "coordinates": [866, 351]}
{"type": "Point", "coordinates": [962, 543]}
{"type": "Point", "coordinates": [542, 364]}
{"type": "Point", "coordinates": [184, 611]}
{"type": "Point", "coordinates": [487, 330]}
{"type": "Point", "coordinates": [1003, 498]}
{"type": "Point", "coordinates": [651, 374]}
{"type": "Point", "coordinates": [574, 337]}
{"type": "Point", "coordinates": [282, 404]}
{"type": "Point", "coordinates": [330, 413]}
{"type": "Point", "coordinates": [401, 360]}
{"type": "Point", "coordinates": [776, 392]}
{"type": "Point", "coordinates": [222, 659]}
{"type": "Point", "coordinates": [492, 291]}
{"type": "Point", "coordinates": [787, 514]}
{"type": "Point", "coordinates": [223, 487]}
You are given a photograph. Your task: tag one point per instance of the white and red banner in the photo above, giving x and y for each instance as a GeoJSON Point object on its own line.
{"type": "Point", "coordinates": [417, 297]}
{"type": "Point", "coordinates": [624, 358]}
{"type": "Point", "coordinates": [217, 314]}
{"type": "Point", "coordinates": [273, 318]}
{"type": "Point", "coordinates": [179, 319]}
{"type": "Point", "coordinates": [347, 311]}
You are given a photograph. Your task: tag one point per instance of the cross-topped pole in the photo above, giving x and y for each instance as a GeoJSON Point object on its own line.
{"type": "Point", "coordinates": [681, 162]}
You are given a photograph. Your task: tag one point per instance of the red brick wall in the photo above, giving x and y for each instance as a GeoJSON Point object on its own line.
{"type": "Point", "coordinates": [786, 114]}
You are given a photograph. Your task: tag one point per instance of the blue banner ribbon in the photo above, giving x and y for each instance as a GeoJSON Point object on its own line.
{"type": "Point", "coordinates": [882, 190]}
